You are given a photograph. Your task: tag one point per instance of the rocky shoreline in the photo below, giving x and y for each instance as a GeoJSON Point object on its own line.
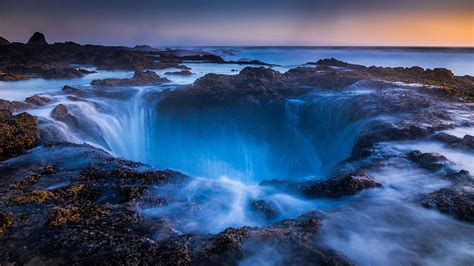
{"type": "Point", "coordinates": [65, 203]}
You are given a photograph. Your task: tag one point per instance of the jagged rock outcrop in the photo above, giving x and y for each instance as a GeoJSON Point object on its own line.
{"type": "Point", "coordinates": [183, 72]}
{"type": "Point", "coordinates": [18, 133]}
{"type": "Point", "coordinates": [37, 100]}
{"type": "Point", "coordinates": [37, 39]}
{"type": "Point", "coordinates": [93, 217]}
{"type": "Point", "coordinates": [464, 143]}
{"type": "Point", "coordinates": [457, 201]}
{"type": "Point", "coordinates": [334, 187]}
{"type": "Point", "coordinates": [430, 161]}
{"type": "Point", "coordinates": [140, 78]}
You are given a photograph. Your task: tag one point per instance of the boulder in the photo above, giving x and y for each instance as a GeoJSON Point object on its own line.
{"type": "Point", "coordinates": [457, 201]}
{"type": "Point", "coordinates": [37, 39]}
{"type": "Point", "coordinates": [183, 72]}
{"type": "Point", "coordinates": [74, 91]}
{"type": "Point", "coordinates": [430, 161]}
{"type": "Point", "coordinates": [264, 209]}
{"type": "Point", "coordinates": [339, 187]}
{"type": "Point", "coordinates": [13, 106]}
{"type": "Point", "coordinates": [38, 100]}
{"type": "Point", "coordinates": [17, 134]}
{"type": "Point", "coordinates": [465, 143]}
{"type": "Point", "coordinates": [140, 78]}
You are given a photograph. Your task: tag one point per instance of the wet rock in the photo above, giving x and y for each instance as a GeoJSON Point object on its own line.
{"type": "Point", "coordinates": [59, 216]}
{"type": "Point", "coordinates": [339, 187]}
{"type": "Point", "coordinates": [38, 100]}
{"type": "Point", "coordinates": [465, 143]}
{"type": "Point", "coordinates": [180, 73]}
{"type": "Point", "coordinates": [264, 208]}
{"type": "Point", "coordinates": [17, 134]}
{"type": "Point", "coordinates": [74, 91]}
{"type": "Point", "coordinates": [6, 222]}
{"type": "Point", "coordinates": [458, 177]}
{"type": "Point", "coordinates": [37, 39]}
{"type": "Point", "coordinates": [77, 192]}
{"type": "Point", "coordinates": [13, 106]}
{"type": "Point", "coordinates": [65, 73]}
{"type": "Point", "coordinates": [131, 192]}
{"type": "Point", "coordinates": [61, 113]}
{"type": "Point", "coordinates": [457, 201]}
{"type": "Point", "coordinates": [385, 132]}
{"type": "Point", "coordinates": [293, 238]}
{"type": "Point", "coordinates": [26, 183]}
{"type": "Point", "coordinates": [13, 77]}
{"type": "Point", "coordinates": [140, 78]}
{"type": "Point", "coordinates": [249, 62]}
{"type": "Point", "coordinates": [74, 117]}
{"type": "Point", "coordinates": [430, 161]}
{"type": "Point", "coordinates": [334, 62]}
{"type": "Point", "coordinates": [34, 196]}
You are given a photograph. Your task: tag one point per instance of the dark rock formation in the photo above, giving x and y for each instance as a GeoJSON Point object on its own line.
{"type": "Point", "coordinates": [465, 143]}
{"type": "Point", "coordinates": [4, 41]}
{"type": "Point", "coordinates": [294, 239]}
{"type": "Point", "coordinates": [74, 91]}
{"type": "Point", "coordinates": [17, 134]}
{"type": "Point", "coordinates": [180, 73]}
{"type": "Point", "coordinates": [65, 73]}
{"type": "Point", "coordinates": [140, 78]}
{"type": "Point", "coordinates": [264, 208]}
{"type": "Point", "coordinates": [249, 62]}
{"type": "Point", "coordinates": [386, 132]}
{"type": "Point", "coordinates": [92, 218]}
{"type": "Point", "coordinates": [457, 201]}
{"type": "Point", "coordinates": [37, 39]}
{"type": "Point", "coordinates": [335, 187]}
{"type": "Point", "coordinates": [338, 187]}
{"type": "Point", "coordinates": [335, 63]}
{"type": "Point", "coordinates": [13, 106]}
{"type": "Point", "coordinates": [38, 100]}
{"type": "Point", "coordinates": [6, 222]}
{"type": "Point", "coordinates": [145, 48]}
{"type": "Point", "coordinates": [429, 161]}
{"type": "Point", "coordinates": [75, 119]}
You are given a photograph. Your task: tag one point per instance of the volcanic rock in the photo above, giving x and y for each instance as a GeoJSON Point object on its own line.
{"type": "Point", "coordinates": [140, 78]}
{"type": "Point", "coordinates": [38, 100]}
{"type": "Point", "coordinates": [13, 106]}
{"type": "Point", "coordinates": [265, 209]}
{"type": "Point", "coordinates": [180, 73]}
{"type": "Point", "coordinates": [457, 201]}
{"type": "Point", "coordinates": [465, 143]}
{"type": "Point", "coordinates": [65, 73]}
{"type": "Point", "coordinates": [338, 187]}
{"type": "Point", "coordinates": [17, 134]}
{"type": "Point", "coordinates": [430, 161]}
{"type": "Point", "coordinates": [37, 39]}
{"type": "Point", "coordinates": [74, 91]}
{"type": "Point", "coordinates": [6, 222]}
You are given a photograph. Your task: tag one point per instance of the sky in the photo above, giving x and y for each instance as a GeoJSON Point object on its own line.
{"type": "Point", "coordinates": [243, 22]}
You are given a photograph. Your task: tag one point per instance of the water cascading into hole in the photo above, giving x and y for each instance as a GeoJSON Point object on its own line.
{"type": "Point", "coordinates": [303, 137]}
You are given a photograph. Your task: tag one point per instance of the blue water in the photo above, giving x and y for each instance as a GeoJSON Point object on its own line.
{"type": "Point", "coordinates": [228, 151]}
{"type": "Point", "coordinates": [460, 61]}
